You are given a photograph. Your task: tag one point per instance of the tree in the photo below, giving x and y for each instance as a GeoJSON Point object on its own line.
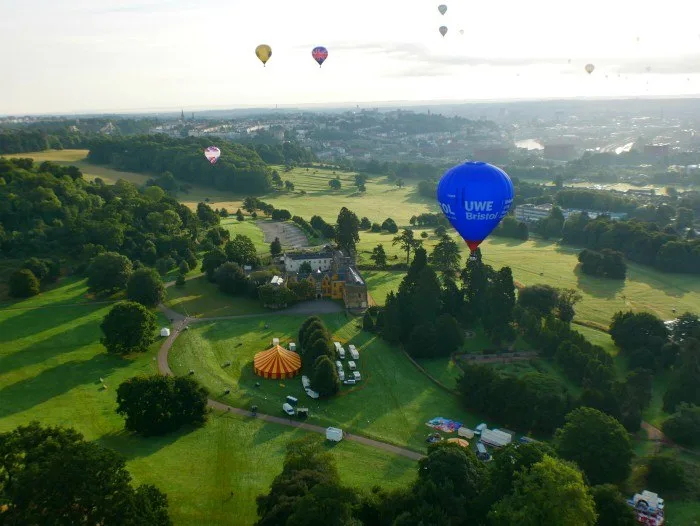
{"type": "Point", "coordinates": [568, 298]}
{"type": "Point", "coordinates": [241, 250]}
{"type": "Point", "coordinates": [109, 272]}
{"type": "Point", "coordinates": [367, 322]}
{"type": "Point", "coordinates": [446, 257]}
{"type": "Point", "coordinates": [303, 290]}
{"type": "Point", "coordinates": [306, 329]}
{"type": "Point", "coordinates": [448, 489]}
{"type": "Point", "coordinates": [206, 215]}
{"type": "Point", "coordinates": [289, 186]}
{"type": "Point", "coordinates": [541, 299]}
{"type": "Point", "coordinates": [611, 507]}
{"type": "Point", "coordinates": [335, 184]}
{"type": "Point", "coordinates": [390, 226]}
{"type": "Point", "coordinates": [157, 405]}
{"type": "Point", "coordinates": [217, 235]}
{"type": "Point", "coordinates": [687, 326]}
{"type": "Point", "coordinates": [665, 474]}
{"type": "Point", "coordinates": [365, 223]}
{"type": "Point", "coordinates": [180, 280]}
{"type": "Point", "coordinates": [550, 492]}
{"type": "Point", "coordinates": [239, 215]}
{"type": "Point", "coordinates": [683, 426]}
{"type": "Point", "coordinates": [450, 335]}
{"type": "Point", "coordinates": [212, 261]}
{"type": "Point", "coordinates": [145, 287]}
{"type": "Point", "coordinates": [597, 443]}
{"type": "Point", "coordinates": [379, 256]}
{"type": "Point", "coordinates": [407, 242]}
{"type": "Point", "coordinates": [508, 462]}
{"type": "Point", "coordinates": [347, 230]}
{"type": "Point", "coordinates": [497, 311]}
{"type": "Point", "coordinates": [305, 268]}
{"type": "Point", "coordinates": [23, 284]}
{"type": "Point", "coordinates": [360, 180]}
{"type": "Point", "coordinates": [325, 379]}
{"type": "Point", "coordinates": [683, 385]}
{"type": "Point", "coordinates": [684, 218]}
{"type": "Point", "coordinates": [632, 331]}
{"type": "Point", "coordinates": [231, 279]}
{"type": "Point", "coordinates": [51, 475]}
{"type": "Point", "coordinates": [45, 270]}
{"type": "Point", "coordinates": [128, 327]}
{"type": "Point", "coordinates": [276, 247]}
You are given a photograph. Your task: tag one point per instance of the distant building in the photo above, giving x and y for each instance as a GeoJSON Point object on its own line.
{"type": "Point", "coordinates": [560, 152]}
{"type": "Point", "coordinates": [492, 154]}
{"type": "Point", "coordinates": [318, 260]}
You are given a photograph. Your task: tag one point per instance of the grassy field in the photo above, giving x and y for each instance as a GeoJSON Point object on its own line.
{"type": "Point", "coordinates": [391, 403]}
{"type": "Point", "coordinates": [201, 299]}
{"type": "Point", "coordinates": [90, 171]}
{"type": "Point", "coordinates": [51, 363]}
{"type": "Point", "coordinates": [250, 229]}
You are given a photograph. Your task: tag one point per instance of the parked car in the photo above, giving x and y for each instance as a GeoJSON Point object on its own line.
{"type": "Point", "coordinates": [357, 376]}
{"type": "Point", "coordinates": [350, 381]}
{"type": "Point", "coordinates": [352, 365]}
{"type": "Point", "coordinates": [288, 409]}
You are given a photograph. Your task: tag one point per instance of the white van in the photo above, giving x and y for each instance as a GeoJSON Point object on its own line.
{"type": "Point", "coordinates": [341, 353]}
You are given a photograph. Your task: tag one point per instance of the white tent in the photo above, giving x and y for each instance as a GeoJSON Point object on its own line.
{"type": "Point", "coordinates": [165, 332]}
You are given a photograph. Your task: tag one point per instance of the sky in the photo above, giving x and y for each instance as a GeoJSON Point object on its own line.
{"type": "Point", "coordinates": [77, 56]}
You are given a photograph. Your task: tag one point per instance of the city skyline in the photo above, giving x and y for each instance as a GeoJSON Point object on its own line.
{"type": "Point", "coordinates": [162, 55]}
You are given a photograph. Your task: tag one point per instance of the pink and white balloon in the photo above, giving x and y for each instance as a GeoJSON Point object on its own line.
{"type": "Point", "coordinates": [212, 153]}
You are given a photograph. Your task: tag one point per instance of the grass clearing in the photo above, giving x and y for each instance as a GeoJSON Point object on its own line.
{"type": "Point", "coordinates": [50, 365]}
{"type": "Point", "coordinates": [250, 229]}
{"type": "Point", "coordinates": [391, 403]}
{"type": "Point", "coordinates": [201, 299]}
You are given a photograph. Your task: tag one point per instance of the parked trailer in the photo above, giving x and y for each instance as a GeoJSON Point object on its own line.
{"type": "Point", "coordinates": [334, 434]}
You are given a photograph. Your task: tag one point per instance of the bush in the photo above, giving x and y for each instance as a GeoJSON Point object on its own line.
{"type": "Point", "coordinates": [664, 474]}
{"type": "Point", "coordinates": [23, 284]}
{"type": "Point", "coordinates": [376, 227]}
{"type": "Point", "coordinates": [128, 327]}
{"type": "Point", "coordinates": [684, 426]}
{"type": "Point", "coordinates": [146, 287]}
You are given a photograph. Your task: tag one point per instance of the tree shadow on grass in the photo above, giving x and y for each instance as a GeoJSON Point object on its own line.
{"type": "Point", "coordinates": [506, 241]}
{"type": "Point", "coordinates": [56, 381]}
{"type": "Point", "coordinates": [66, 341]}
{"type": "Point", "coordinates": [598, 287]}
{"type": "Point", "coordinates": [131, 445]}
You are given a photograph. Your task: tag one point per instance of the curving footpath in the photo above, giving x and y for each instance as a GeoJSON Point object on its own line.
{"type": "Point", "coordinates": [180, 321]}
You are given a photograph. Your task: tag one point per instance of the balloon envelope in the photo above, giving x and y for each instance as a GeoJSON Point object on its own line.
{"type": "Point", "coordinates": [475, 197]}
{"type": "Point", "coordinates": [443, 30]}
{"type": "Point", "coordinates": [212, 153]}
{"type": "Point", "coordinates": [442, 8]}
{"type": "Point", "coordinates": [264, 52]}
{"type": "Point", "coordinates": [589, 68]}
{"type": "Point", "coordinates": [320, 55]}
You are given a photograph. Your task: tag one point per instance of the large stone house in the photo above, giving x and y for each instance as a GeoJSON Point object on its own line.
{"type": "Point", "coordinates": [333, 274]}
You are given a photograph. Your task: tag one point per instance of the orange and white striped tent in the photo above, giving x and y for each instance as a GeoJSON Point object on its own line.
{"type": "Point", "coordinates": [277, 362]}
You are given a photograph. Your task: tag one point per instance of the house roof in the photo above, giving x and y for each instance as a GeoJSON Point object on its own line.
{"type": "Point", "coordinates": [300, 256]}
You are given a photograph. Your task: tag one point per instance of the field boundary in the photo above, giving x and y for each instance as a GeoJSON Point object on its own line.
{"type": "Point", "coordinates": [426, 373]}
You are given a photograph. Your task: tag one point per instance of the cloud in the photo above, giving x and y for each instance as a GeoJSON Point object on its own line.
{"type": "Point", "coordinates": [419, 61]}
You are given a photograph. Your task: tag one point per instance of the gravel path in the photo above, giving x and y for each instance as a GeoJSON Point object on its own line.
{"type": "Point", "coordinates": [289, 234]}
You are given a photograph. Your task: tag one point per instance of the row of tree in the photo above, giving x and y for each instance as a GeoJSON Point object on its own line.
{"type": "Point", "coordinates": [531, 484]}
{"type": "Point", "coordinates": [318, 354]}
{"type": "Point", "coordinates": [604, 264]}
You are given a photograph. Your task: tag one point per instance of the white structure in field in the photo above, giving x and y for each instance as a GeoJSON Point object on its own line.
{"type": "Point", "coordinates": [318, 260]}
{"type": "Point", "coordinates": [334, 434]}
{"type": "Point", "coordinates": [165, 332]}
{"type": "Point", "coordinates": [495, 438]}
{"type": "Point", "coordinates": [353, 352]}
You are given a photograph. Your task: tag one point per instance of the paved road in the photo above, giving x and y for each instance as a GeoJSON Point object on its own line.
{"type": "Point", "coordinates": [289, 235]}
{"type": "Point", "coordinates": [180, 321]}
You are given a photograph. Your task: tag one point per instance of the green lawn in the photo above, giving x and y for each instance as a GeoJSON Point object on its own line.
{"type": "Point", "coordinates": [391, 403]}
{"type": "Point", "coordinates": [201, 299]}
{"type": "Point", "coordinates": [90, 171]}
{"type": "Point", "coordinates": [51, 363]}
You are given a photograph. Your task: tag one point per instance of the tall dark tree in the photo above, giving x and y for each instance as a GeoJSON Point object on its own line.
{"type": "Point", "coordinates": [109, 272]}
{"type": "Point", "coordinates": [128, 327]}
{"type": "Point", "coordinates": [231, 279]}
{"type": "Point", "coordinates": [347, 230]}
{"type": "Point", "coordinates": [497, 313]}
{"type": "Point", "coordinates": [51, 475]}
{"type": "Point", "coordinates": [683, 386]}
{"type": "Point", "coordinates": [212, 261]}
{"type": "Point", "coordinates": [206, 215]}
{"type": "Point", "coordinates": [157, 405]}
{"type": "Point", "coordinates": [241, 250]}
{"type": "Point", "coordinates": [687, 326]}
{"type": "Point", "coordinates": [367, 322]}
{"type": "Point", "coordinates": [239, 215]}
{"type": "Point", "coordinates": [541, 299]}
{"type": "Point", "coordinates": [276, 247]}
{"type": "Point", "coordinates": [611, 507]}
{"type": "Point", "coordinates": [683, 426]}
{"type": "Point", "coordinates": [379, 256]}
{"type": "Point", "coordinates": [632, 331]}
{"type": "Point", "coordinates": [325, 379]}
{"type": "Point", "coordinates": [446, 257]}
{"type": "Point", "coordinates": [597, 443]}
{"type": "Point", "coordinates": [407, 242]}
{"type": "Point", "coordinates": [365, 223]}
{"type": "Point", "coordinates": [23, 284]}
{"type": "Point", "coordinates": [145, 287]}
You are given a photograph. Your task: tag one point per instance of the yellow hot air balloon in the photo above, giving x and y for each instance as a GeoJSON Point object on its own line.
{"type": "Point", "coordinates": [589, 68]}
{"type": "Point", "coordinates": [264, 52]}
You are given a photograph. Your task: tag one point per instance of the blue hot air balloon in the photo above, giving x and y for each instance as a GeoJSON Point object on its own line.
{"type": "Point", "coordinates": [474, 197]}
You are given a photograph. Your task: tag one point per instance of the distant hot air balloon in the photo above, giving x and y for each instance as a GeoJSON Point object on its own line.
{"type": "Point", "coordinates": [320, 55]}
{"type": "Point", "coordinates": [589, 68]}
{"type": "Point", "coordinates": [212, 153]}
{"type": "Point", "coordinates": [443, 30]}
{"type": "Point", "coordinates": [461, 31]}
{"type": "Point", "coordinates": [442, 8]}
{"type": "Point", "coordinates": [264, 52]}
{"type": "Point", "coordinates": [475, 197]}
